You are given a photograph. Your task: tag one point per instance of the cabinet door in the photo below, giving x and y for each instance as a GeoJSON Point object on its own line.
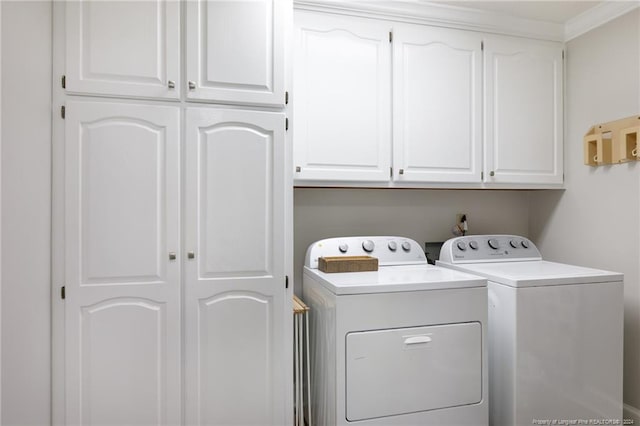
{"type": "Point", "coordinates": [235, 50]}
{"type": "Point", "coordinates": [523, 111]}
{"type": "Point", "coordinates": [123, 48]}
{"type": "Point", "coordinates": [122, 301]}
{"type": "Point", "coordinates": [437, 116]}
{"type": "Point", "coordinates": [342, 109]}
{"type": "Point", "coordinates": [236, 314]}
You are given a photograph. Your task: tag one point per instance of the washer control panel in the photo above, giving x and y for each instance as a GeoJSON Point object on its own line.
{"type": "Point", "coordinates": [388, 250]}
{"type": "Point", "coordinates": [488, 248]}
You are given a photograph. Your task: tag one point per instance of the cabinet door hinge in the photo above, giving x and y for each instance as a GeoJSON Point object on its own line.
{"type": "Point", "coordinates": [482, 45]}
{"type": "Point", "coordinates": [391, 172]}
{"type": "Point", "coordinates": [286, 98]}
{"type": "Point", "coordinates": [63, 293]}
{"type": "Point", "coordinates": [64, 81]}
{"type": "Point", "coordinates": [286, 124]}
{"type": "Point", "coordinates": [390, 36]}
{"type": "Point", "coordinates": [482, 176]}
{"type": "Point", "coordinates": [286, 281]}
{"type": "Point", "coordinates": [62, 112]}
{"type": "Point", "coordinates": [563, 54]}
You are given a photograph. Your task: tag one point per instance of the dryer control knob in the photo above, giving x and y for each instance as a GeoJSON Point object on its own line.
{"type": "Point", "coordinates": [524, 243]}
{"type": "Point", "coordinates": [473, 245]}
{"type": "Point", "coordinates": [493, 243]}
{"type": "Point", "coordinates": [368, 246]}
{"type": "Point", "coordinates": [461, 246]}
{"type": "Point", "coordinates": [406, 246]}
{"type": "Point", "coordinates": [513, 243]}
{"type": "Point", "coordinates": [343, 247]}
{"type": "Point", "coordinates": [393, 246]}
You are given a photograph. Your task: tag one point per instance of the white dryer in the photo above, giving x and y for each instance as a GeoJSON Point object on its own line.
{"type": "Point", "coordinates": [403, 345]}
{"type": "Point", "coordinates": [555, 333]}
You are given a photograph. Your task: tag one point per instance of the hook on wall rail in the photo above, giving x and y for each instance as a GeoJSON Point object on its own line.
{"type": "Point", "coordinates": [613, 142]}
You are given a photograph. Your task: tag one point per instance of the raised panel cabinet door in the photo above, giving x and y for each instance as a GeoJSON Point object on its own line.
{"type": "Point", "coordinates": [123, 48]}
{"type": "Point", "coordinates": [122, 296]}
{"type": "Point", "coordinates": [236, 315]}
{"type": "Point", "coordinates": [235, 50]}
{"type": "Point", "coordinates": [342, 106]}
{"type": "Point", "coordinates": [437, 105]}
{"type": "Point", "coordinates": [523, 111]}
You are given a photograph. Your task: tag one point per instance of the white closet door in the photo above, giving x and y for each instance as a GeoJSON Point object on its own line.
{"type": "Point", "coordinates": [236, 315]}
{"type": "Point", "coordinates": [123, 48]}
{"type": "Point", "coordinates": [437, 110]}
{"type": "Point", "coordinates": [342, 88]}
{"type": "Point", "coordinates": [122, 306]}
{"type": "Point", "coordinates": [235, 50]}
{"type": "Point", "coordinates": [523, 111]}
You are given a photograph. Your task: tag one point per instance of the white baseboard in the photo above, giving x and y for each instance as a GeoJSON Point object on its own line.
{"type": "Point", "coordinates": [630, 412]}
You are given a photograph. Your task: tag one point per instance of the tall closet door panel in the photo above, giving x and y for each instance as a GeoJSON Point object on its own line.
{"type": "Point", "coordinates": [235, 50]}
{"type": "Point", "coordinates": [236, 314]}
{"type": "Point", "coordinates": [122, 292]}
{"type": "Point", "coordinates": [123, 48]}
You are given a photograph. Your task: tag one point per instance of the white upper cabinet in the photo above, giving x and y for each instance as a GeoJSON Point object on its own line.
{"type": "Point", "coordinates": [235, 50]}
{"type": "Point", "coordinates": [342, 105]}
{"type": "Point", "coordinates": [437, 105]}
{"type": "Point", "coordinates": [123, 48]}
{"type": "Point", "coordinates": [523, 111]}
{"type": "Point", "coordinates": [468, 109]}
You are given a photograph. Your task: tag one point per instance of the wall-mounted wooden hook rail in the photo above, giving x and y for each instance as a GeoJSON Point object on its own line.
{"type": "Point", "coordinates": [613, 142]}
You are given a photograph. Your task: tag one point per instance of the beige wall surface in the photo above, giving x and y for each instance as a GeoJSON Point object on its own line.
{"type": "Point", "coordinates": [422, 215]}
{"type": "Point", "coordinates": [26, 212]}
{"type": "Point", "coordinates": [595, 221]}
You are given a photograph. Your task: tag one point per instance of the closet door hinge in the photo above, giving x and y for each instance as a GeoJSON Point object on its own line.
{"type": "Point", "coordinates": [64, 82]}
{"type": "Point", "coordinates": [286, 98]}
{"type": "Point", "coordinates": [391, 172]}
{"type": "Point", "coordinates": [390, 36]}
{"type": "Point", "coordinates": [563, 54]}
{"type": "Point", "coordinates": [63, 293]}
{"type": "Point", "coordinates": [286, 281]}
{"type": "Point", "coordinates": [62, 112]}
{"type": "Point", "coordinates": [482, 176]}
{"type": "Point", "coordinates": [482, 45]}
{"type": "Point", "coordinates": [286, 124]}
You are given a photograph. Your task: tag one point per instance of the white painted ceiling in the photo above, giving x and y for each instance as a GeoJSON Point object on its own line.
{"type": "Point", "coordinates": [544, 10]}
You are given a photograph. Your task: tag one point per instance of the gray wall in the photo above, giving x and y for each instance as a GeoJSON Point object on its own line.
{"type": "Point", "coordinates": [423, 215]}
{"type": "Point", "coordinates": [595, 221]}
{"type": "Point", "coordinates": [26, 205]}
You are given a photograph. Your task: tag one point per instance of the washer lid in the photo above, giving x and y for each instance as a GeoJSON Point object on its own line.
{"type": "Point", "coordinates": [389, 279]}
{"type": "Point", "coordinates": [536, 273]}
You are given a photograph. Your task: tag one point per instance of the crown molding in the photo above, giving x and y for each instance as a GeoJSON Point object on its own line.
{"type": "Point", "coordinates": [424, 12]}
{"type": "Point", "coordinates": [597, 16]}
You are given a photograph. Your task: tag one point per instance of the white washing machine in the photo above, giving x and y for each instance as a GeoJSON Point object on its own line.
{"type": "Point", "coordinates": [555, 333]}
{"type": "Point", "coordinates": [403, 345]}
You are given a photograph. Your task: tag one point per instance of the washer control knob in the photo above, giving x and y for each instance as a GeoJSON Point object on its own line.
{"type": "Point", "coordinates": [343, 247]}
{"type": "Point", "coordinates": [406, 246]}
{"type": "Point", "coordinates": [513, 243]}
{"type": "Point", "coordinates": [473, 245]}
{"type": "Point", "coordinates": [368, 246]}
{"type": "Point", "coordinates": [461, 246]}
{"type": "Point", "coordinates": [493, 243]}
{"type": "Point", "coordinates": [524, 243]}
{"type": "Point", "coordinates": [393, 246]}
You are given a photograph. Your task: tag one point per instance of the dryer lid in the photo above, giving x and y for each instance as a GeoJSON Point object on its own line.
{"type": "Point", "coordinates": [395, 279]}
